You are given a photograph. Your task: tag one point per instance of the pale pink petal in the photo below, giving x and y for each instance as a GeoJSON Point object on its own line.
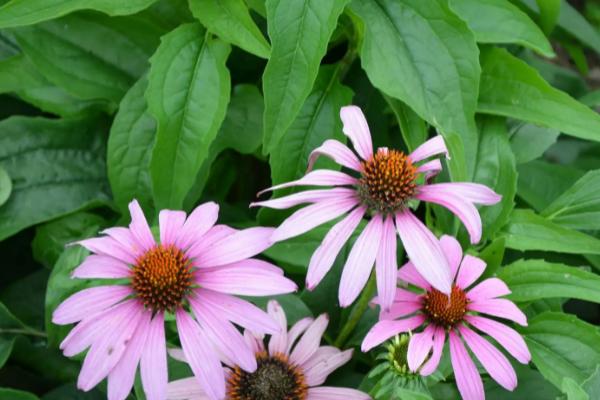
{"type": "Point", "coordinates": [324, 256]}
{"type": "Point", "coordinates": [468, 380]}
{"type": "Point", "coordinates": [430, 148]}
{"type": "Point", "coordinates": [488, 289]}
{"type": "Point", "coordinates": [107, 246]}
{"type": "Point", "coordinates": [338, 152]}
{"type": "Point", "coordinates": [310, 341]}
{"type": "Point", "coordinates": [357, 129]}
{"type": "Point", "coordinates": [307, 196]}
{"type": "Point", "coordinates": [235, 247]}
{"type": "Point", "coordinates": [419, 347]}
{"type": "Point", "coordinates": [459, 206]}
{"type": "Point", "coordinates": [501, 308]}
{"type": "Point", "coordinates": [201, 357]}
{"type": "Point", "coordinates": [335, 393]}
{"type": "Point", "coordinates": [472, 192]}
{"type": "Point", "coordinates": [101, 267]}
{"type": "Point", "coordinates": [177, 354]}
{"type": "Point", "coordinates": [400, 309]}
{"type": "Point", "coordinates": [139, 226]}
{"type": "Point", "coordinates": [400, 295]}
{"type": "Point", "coordinates": [197, 224]}
{"type": "Point", "coordinates": [494, 362]}
{"type": "Point", "coordinates": [256, 344]}
{"type": "Point", "coordinates": [153, 365]}
{"type": "Point", "coordinates": [510, 339]}
{"type": "Point", "coordinates": [408, 273]}
{"type": "Point", "coordinates": [320, 177]}
{"type": "Point", "coordinates": [469, 271]}
{"type": "Point", "coordinates": [360, 261]}
{"type": "Point", "coordinates": [185, 389]}
{"type": "Point", "coordinates": [386, 265]}
{"type": "Point", "coordinates": [383, 330]}
{"type": "Point", "coordinates": [453, 252]}
{"type": "Point", "coordinates": [278, 341]}
{"type": "Point", "coordinates": [170, 224]}
{"type": "Point", "coordinates": [204, 242]}
{"type": "Point", "coordinates": [126, 239]}
{"type": "Point", "coordinates": [439, 337]}
{"type": "Point", "coordinates": [317, 369]}
{"type": "Point", "coordinates": [430, 169]}
{"type": "Point", "coordinates": [298, 329]}
{"type": "Point", "coordinates": [88, 302]}
{"type": "Point", "coordinates": [424, 251]}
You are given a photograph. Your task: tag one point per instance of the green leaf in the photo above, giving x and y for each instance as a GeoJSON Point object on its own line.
{"type": "Point", "coordinates": [187, 94]}
{"type": "Point", "coordinates": [70, 392]}
{"type": "Point", "coordinates": [5, 186]}
{"type": "Point", "coordinates": [563, 346]}
{"type": "Point", "coordinates": [128, 157]}
{"type": "Point", "coordinates": [549, 13]}
{"type": "Point", "coordinates": [57, 167]}
{"type": "Point", "coordinates": [299, 32]}
{"type": "Point", "coordinates": [532, 386]}
{"type": "Point", "coordinates": [511, 88]}
{"type": "Point", "coordinates": [529, 231]}
{"type": "Point", "coordinates": [579, 206]}
{"type": "Point", "coordinates": [573, 390]}
{"type": "Point", "coordinates": [592, 384]}
{"type": "Point", "coordinates": [529, 141]}
{"type": "Point", "coordinates": [493, 254]}
{"type": "Point", "coordinates": [413, 128]}
{"type": "Point", "coordinates": [6, 346]}
{"type": "Point", "coordinates": [12, 394]}
{"type": "Point", "coordinates": [28, 12]}
{"type": "Point", "coordinates": [437, 75]}
{"type": "Point", "coordinates": [499, 21]}
{"type": "Point", "coordinates": [537, 279]}
{"type": "Point", "coordinates": [231, 20]}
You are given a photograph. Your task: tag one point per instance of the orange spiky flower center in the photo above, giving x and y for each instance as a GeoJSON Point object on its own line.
{"type": "Point", "coordinates": [162, 277]}
{"type": "Point", "coordinates": [387, 181]}
{"type": "Point", "coordinates": [274, 379]}
{"type": "Point", "coordinates": [443, 311]}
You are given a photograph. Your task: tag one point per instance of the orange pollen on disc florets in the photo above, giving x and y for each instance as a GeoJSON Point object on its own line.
{"type": "Point", "coordinates": [274, 379]}
{"type": "Point", "coordinates": [162, 278]}
{"type": "Point", "coordinates": [443, 311]}
{"type": "Point", "coordinates": [387, 181]}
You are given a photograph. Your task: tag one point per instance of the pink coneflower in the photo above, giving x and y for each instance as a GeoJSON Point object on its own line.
{"type": "Point", "coordinates": [192, 272]}
{"type": "Point", "coordinates": [456, 316]}
{"type": "Point", "coordinates": [291, 367]}
{"type": "Point", "coordinates": [386, 183]}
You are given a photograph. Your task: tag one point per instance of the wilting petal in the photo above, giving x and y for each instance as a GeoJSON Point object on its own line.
{"type": "Point", "coordinates": [453, 252]}
{"type": "Point", "coordinates": [357, 129]}
{"type": "Point", "coordinates": [335, 393]}
{"type": "Point", "coordinates": [310, 341]}
{"type": "Point", "coordinates": [472, 192]}
{"type": "Point", "coordinates": [320, 177]}
{"type": "Point", "coordinates": [101, 267]}
{"type": "Point", "coordinates": [317, 369]}
{"type": "Point", "coordinates": [197, 224]}
{"type": "Point", "coordinates": [278, 341]}
{"type": "Point", "coordinates": [470, 269]}
{"type": "Point", "coordinates": [170, 224]}
{"type": "Point", "coordinates": [432, 147]}
{"type": "Point", "coordinates": [430, 169]}
{"type": "Point", "coordinates": [186, 389]}
{"type": "Point", "coordinates": [88, 302]}
{"type": "Point", "coordinates": [419, 347]}
{"type": "Point", "coordinates": [338, 152]}
{"type": "Point", "coordinates": [439, 337]}
{"type": "Point", "coordinates": [153, 365]}
{"type": "Point", "coordinates": [383, 330]}
{"type": "Point", "coordinates": [488, 289]}
{"type": "Point", "coordinates": [235, 247]}
{"type": "Point", "coordinates": [468, 380]}
{"type": "Point", "coordinates": [139, 226]}
{"type": "Point", "coordinates": [508, 338]}
{"type": "Point", "coordinates": [386, 265]}
{"type": "Point", "coordinates": [501, 308]}
{"type": "Point", "coordinates": [307, 196]}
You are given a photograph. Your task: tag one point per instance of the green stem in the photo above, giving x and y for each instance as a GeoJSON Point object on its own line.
{"type": "Point", "coordinates": [31, 332]}
{"type": "Point", "coordinates": [357, 312]}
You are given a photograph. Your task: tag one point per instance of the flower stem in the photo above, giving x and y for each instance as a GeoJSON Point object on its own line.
{"type": "Point", "coordinates": [31, 332]}
{"type": "Point", "coordinates": [357, 312]}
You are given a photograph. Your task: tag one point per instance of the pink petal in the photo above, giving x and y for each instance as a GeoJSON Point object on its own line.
{"type": "Point", "coordinates": [312, 216]}
{"type": "Point", "coordinates": [153, 365]}
{"type": "Point", "coordinates": [139, 226]}
{"type": "Point", "coordinates": [510, 339]}
{"type": "Point", "coordinates": [459, 206]}
{"type": "Point", "coordinates": [360, 261]}
{"type": "Point", "coordinates": [256, 344]}
{"type": "Point", "coordinates": [101, 267]}
{"type": "Point", "coordinates": [357, 129]}
{"type": "Point", "coordinates": [408, 273]}
{"type": "Point", "coordinates": [107, 246]}
{"type": "Point", "coordinates": [320, 177]}
{"type": "Point", "coordinates": [472, 192]}
{"type": "Point", "coordinates": [197, 224]}
{"type": "Point", "coordinates": [201, 357]}
{"type": "Point", "coordinates": [317, 369]}
{"type": "Point", "coordinates": [470, 269]}
{"type": "Point", "coordinates": [501, 308]}
{"type": "Point", "coordinates": [491, 358]}
{"type": "Point", "coordinates": [298, 329]}
{"type": "Point", "coordinates": [386, 265]}
{"type": "Point", "coordinates": [439, 337]}
{"type": "Point", "coordinates": [335, 393]}
{"type": "Point", "coordinates": [325, 255]}
{"type": "Point", "coordinates": [170, 224]}
{"type": "Point", "coordinates": [338, 152]}
{"type": "Point", "coordinates": [185, 389]}
{"type": "Point", "coordinates": [307, 196]}
{"type": "Point", "coordinates": [419, 347]}
{"type": "Point", "coordinates": [278, 341]}
{"type": "Point", "coordinates": [432, 147]}
{"type": "Point", "coordinates": [401, 295]}
{"type": "Point", "coordinates": [400, 309]}
{"type": "Point", "coordinates": [468, 380]}
{"type": "Point", "coordinates": [126, 239]}
{"type": "Point", "coordinates": [424, 251]}
{"type": "Point", "coordinates": [235, 247]}
{"type": "Point", "coordinates": [88, 302]}
{"type": "Point", "coordinates": [488, 289]}
{"type": "Point", "coordinates": [430, 169]}
{"type": "Point", "coordinates": [212, 236]}
{"type": "Point", "coordinates": [310, 341]}
{"type": "Point", "coordinates": [453, 252]}
{"type": "Point", "coordinates": [383, 330]}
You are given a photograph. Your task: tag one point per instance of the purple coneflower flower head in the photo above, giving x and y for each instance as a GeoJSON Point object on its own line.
{"type": "Point", "coordinates": [459, 317]}
{"type": "Point", "coordinates": [380, 185]}
{"type": "Point", "coordinates": [193, 272]}
{"type": "Point", "coordinates": [291, 366]}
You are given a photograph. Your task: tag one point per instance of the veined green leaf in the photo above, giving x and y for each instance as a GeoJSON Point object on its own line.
{"type": "Point", "coordinates": [529, 141]}
{"type": "Point", "coordinates": [187, 94]}
{"type": "Point", "coordinates": [412, 127]}
{"type": "Point", "coordinates": [299, 32]}
{"type": "Point", "coordinates": [5, 186]}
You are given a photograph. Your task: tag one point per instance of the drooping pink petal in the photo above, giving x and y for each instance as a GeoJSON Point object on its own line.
{"type": "Point", "coordinates": [510, 339]}
{"type": "Point", "coordinates": [357, 130]}
{"type": "Point", "coordinates": [439, 337]}
{"type": "Point", "coordinates": [153, 365]}
{"type": "Point", "coordinates": [338, 152]}
{"type": "Point", "coordinates": [501, 308]}
{"type": "Point", "coordinates": [101, 267]}
{"type": "Point", "coordinates": [430, 169]}
{"type": "Point", "coordinates": [488, 289]}
{"type": "Point", "coordinates": [278, 341]}
{"type": "Point", "coordinates": [197, 224]}
{"type": "Point", "coordinates": [320, 177]}
{"type": "Point", "coordinates": [408, 273]}
{"type": "Point", "coordinates": [468, 380]}
{"type": "Point", "coordinates": [472, 192]}
{"type": "Point", "coordinates": [400, 309]}
{"type": "Point", "coordinates": [306, 196]}
{"type": "Point", "coordinates": [310, 341]}
{"type": "Point", "coordinates": [494, 362]}
{"type": "Point", "coordinates": [139, 226]}
{"type": "Point", "coordinates": [419, 347]}
{"type": "Point", "coordinates": [360, 262]}
{"type": "Point", "coordinates": [324, 256]}
{"type": "Point", "coordinates": [462, 208]}
{"type": "Point", "coordinates": [469, 271]}
{"type": "Point", "coordinates": [107, 246]}
{"type": "Point", "coordinates": [88, 302]}
{"type": "Point", "coordinates": [185, 389]}
{"type": "Point", "coordinates": [298, 329]}
{"type": "Point", "coordinates": [432, 147]}
{"type": "Point", "coordinates": [383, 330]}
{"type": "Point", "coordinates": [170, 223]}
{"type": "Point", "coordinates": [424, 251]}
{"type": "Point", "coordinates": [386, 265]}
{"type": "Point", "coordinates": [200, 356]}
{"type": "Point", "coordinates": [312, 216]}
{"type": "Point", "coordinates": [453, 252]}
{"type": "Point", "coordinates": [335, 393]}
{"type": "Point", "coordinates": [235, 247]}
{"type": "Point", "coordinates": [317, 369]}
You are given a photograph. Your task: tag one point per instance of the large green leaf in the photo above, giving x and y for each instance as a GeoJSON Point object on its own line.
{"type": "Point", "coordinates": [499, 21]}
{"type": "Point", "coordinates": [12, 394]}
{"type": "Point", "coordinates": [413, 128]}
{"type": "Point", "coordinates": [579, 206]}
{"type": "Point", "coordinates": [231, 20]}
{"type": "Point", "coordinates": [28, 12]}
{"type": "Point", "coordinates": [5, 186]}
{"type": "Point", "coordinates": [529, 141]}
{"type": "Point", "coordinates": [299, 32]}
{"type": "Point", "coordinates": [57, 167]}
{"type": "Point", "coordinates": [423, 54]}
{"type": "Point", "coordinates": [529, 231]}
{"type": "Point", "coordinates": [531, 280]}
{"type": "Point", "coordinates": [187, 94]}
{"type": "Point", "coordinates": [511, 88]}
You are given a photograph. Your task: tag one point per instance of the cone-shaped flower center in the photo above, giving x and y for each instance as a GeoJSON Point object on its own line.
{"type": "Point", "coordinates": [162, 277]}
{"type": "Point", "coordinates": [443, 311]}
{"type": "Point", "coordinates": [274, 379]}
{"type": "Point", "coordinates": [387, 181]}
